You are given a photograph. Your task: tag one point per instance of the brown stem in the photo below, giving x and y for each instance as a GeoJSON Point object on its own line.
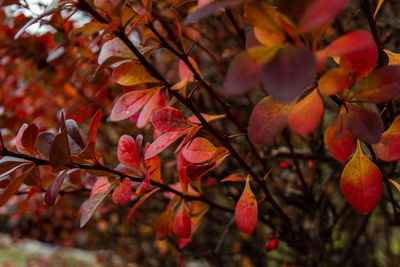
{"type": "Point", "coordinates": [366, 6]}
{"type": "Point", "coordinates": [98, 167]}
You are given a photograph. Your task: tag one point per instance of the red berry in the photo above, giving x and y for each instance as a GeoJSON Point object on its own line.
{"type": "Point", "coordinates": [272, 244]}
{"type": "Point", "coordinates": [284, 165]}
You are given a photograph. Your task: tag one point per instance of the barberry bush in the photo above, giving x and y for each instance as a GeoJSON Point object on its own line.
{"type": "Point", "coordinates": [239, 132]}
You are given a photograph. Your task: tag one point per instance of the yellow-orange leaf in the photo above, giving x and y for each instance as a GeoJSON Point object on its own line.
{"type": "Point", "coordinates": [361, 182]}
{"type": "Point", "coordinates": [334, 81]}
{"type": "Point", "coordinates": [388, 148]}
{"type": "Point", "coordinates": [306, 114]}
{"type": "Point", "coordinates": [246, 210]}
{"type": "Point", "coordinates": [394, 58]}
{"type": "Point", "coordinates": [378, 6]}
{"type": "Point", "coordinates": [129, 74]}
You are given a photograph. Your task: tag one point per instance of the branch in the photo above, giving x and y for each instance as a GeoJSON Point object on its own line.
{"type": "Point", "coordinates": [98, 167]}
{"type": "Point", "coordinates": [366, 6]}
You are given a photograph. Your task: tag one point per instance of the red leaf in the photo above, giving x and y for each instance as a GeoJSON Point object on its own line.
{"type": "Point", "coordinates": [52, 192]}
{"type": "Point", "coordinates": [243, 74]}
{"type": "Point", "coordinates": [168, 120]}
{"type": "Point", "coordinates": [13, 186]}
{"type": "Point", "coordinates": [129, 104]}
{"type": "Point", "coordinates": [161, 143]}
{"type": "Point", "coordinates": [339, 140]}
{"type": "Point", "coordinates": [349, 43]}
{"type": "Point", "coordinates": [122, 194]}
{"type": "Point", "coordinates": [361, 182]}
{"type": "Point", "coordinates": [208, 10]}
{"type": "Point", "coordinates": [26, 138]}
{"type": "Point", "coordinates": [267, 120]}
{"type": "Point", "coordinates": [147, 110]}
{"type": "Point", "coordinates": [361, 62]}
{"type": "Point", "coordinates": [364, 124]}
{"type": "Point", "coordinates": [114, 48]}
{"type": "Point", "coordinates": [246, 210]}
{"type": "Point", "coordinates": [388, 148]}
{"type": "Point", "coordinates": [59, 151]}
{"type": "Point", "coordinates": [44, 141]}
{"type": "Point", "coordinates": [289, 72]}
{"type": "Point", "coordinates": [89, 206]}
{"type": "Point", "coordinates": [306, 114]}
{"type": "Point", "coordinates": [319, 12]}
{"type": "Point", "coordinates": [94, 124]}
{"type": "Point", "coordinates": [181, 226]}
{"type": "Point", "coordinates": [380, 86]}
{"type": "Point", "coordinates": [199, 150]}
{"type": "Point", "coordinates": [127, 151]}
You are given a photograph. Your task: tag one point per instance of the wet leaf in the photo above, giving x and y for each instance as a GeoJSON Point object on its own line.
{"type": "Point", "coordinates": [114, 48]}
{"type": "Point", "coordinates": [361, 182]}
{"type": "Point", "coordinates": [129, 104]}
{"type": "Point", "coordinates": [127, 151]}
{"type": "Point", "coordinates": [169, 119]}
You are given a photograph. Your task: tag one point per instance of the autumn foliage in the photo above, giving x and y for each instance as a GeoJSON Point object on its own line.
{"type": "Point", "coordinates": [236, 131]}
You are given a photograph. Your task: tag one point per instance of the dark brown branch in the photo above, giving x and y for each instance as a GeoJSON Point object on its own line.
{"type": "Point", "coordinates": [98, 167]}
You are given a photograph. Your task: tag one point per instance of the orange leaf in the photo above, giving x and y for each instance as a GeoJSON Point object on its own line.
{"type": "Point", "coordinates": [388, 148]}
{"type": "Point", "coordinates": [122, 194]}
{"type": "Point", "coordinates": [181, 226]}
{"type": "Point", "coordinates": [162, 224]}
{"type": "Point", "coordinates": [306, 114]}
{"type": "Point", "coordinates": [246, 210]}
{"type": "Point", "coordinates": [334, 81]}
{"type": "Point", "coordinates": [234, 178]}
{"type": "Point", "coordinates": [361, 182]}
{"type": "Point", "coordinates": [378, 6]}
